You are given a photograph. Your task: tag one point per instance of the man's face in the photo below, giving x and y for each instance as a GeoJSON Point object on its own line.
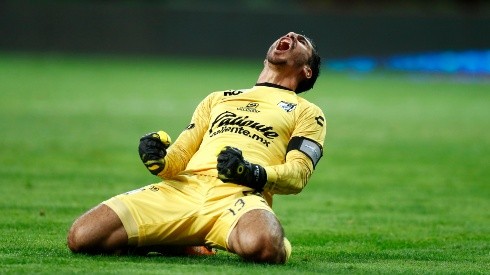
{"type": "Point", "coordinates": [292, 49]}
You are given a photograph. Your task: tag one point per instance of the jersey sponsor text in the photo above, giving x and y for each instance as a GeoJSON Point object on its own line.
{"type": "Point", "coordinates": [233, 123]}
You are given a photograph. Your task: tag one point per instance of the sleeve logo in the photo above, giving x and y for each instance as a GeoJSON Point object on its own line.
{"type": "Point", "coordinates": [320, 120]}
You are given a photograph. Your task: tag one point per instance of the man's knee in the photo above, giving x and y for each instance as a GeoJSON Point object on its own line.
{"type": "Point", "coordinates": [264, 247]}
{"type": "Point", "coordinates": [75, 239]}
{"type": "Point", "coordinates": [259, 237]}
{"type": "Point", "coordinates": [83, 235]}
{"type": "Point", "coordinates": [97, 231]}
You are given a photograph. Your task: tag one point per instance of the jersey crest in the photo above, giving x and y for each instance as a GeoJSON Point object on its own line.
{"type": "Point", "coordinates": [251, 107]}
{"type": "Point", "coordinates": [286, 106]}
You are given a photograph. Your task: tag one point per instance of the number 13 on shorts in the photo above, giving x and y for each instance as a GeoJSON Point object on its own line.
{"type": "Point", "coordinates": [239, 204]}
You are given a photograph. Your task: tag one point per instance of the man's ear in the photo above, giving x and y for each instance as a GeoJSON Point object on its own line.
{"type": "Point", "coordinates": [307, 72]}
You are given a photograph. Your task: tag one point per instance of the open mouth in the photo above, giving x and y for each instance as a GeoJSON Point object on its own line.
{"type": "Point", "coordinates": [284, 44]}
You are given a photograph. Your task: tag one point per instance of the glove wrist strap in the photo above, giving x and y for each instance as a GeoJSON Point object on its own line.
{"type": "Point", "coordinates": [259, 177]}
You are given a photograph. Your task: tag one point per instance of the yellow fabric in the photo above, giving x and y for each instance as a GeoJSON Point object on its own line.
{"type": "Point", "coordinates": [191, 206]}
{"type": "Point", "coordinates": [190, 210]}
{"type": "Point", "coordinates": [259, 121]}
{"type": "Point", "coordinates": [288, 248]}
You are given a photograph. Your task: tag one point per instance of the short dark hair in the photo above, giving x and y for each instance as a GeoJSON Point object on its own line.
{"type": "Point", "coordinates": [314, 62]}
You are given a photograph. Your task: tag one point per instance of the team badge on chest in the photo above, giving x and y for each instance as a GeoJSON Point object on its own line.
{"type": "Point", "coordinates": [251, 107]}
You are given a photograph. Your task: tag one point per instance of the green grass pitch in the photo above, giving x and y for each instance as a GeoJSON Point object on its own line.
{"type": "Point", "coordinates": [403, 186]}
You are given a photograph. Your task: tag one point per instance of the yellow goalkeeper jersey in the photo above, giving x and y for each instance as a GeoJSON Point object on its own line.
{"type": "Point", "coordinates": [262, 122]}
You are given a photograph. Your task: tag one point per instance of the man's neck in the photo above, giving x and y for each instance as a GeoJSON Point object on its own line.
{"type": "Point", "coordinates": [277, 78]}
{"type": "Point", "coordinates": [267, 84]}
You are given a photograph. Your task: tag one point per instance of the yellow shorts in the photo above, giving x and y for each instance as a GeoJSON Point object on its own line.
{"type": "Point", "coordinates": [187, 210]}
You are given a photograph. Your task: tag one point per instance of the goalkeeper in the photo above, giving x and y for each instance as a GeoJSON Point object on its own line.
{"type": "Point", "coordinates": [219, 176]}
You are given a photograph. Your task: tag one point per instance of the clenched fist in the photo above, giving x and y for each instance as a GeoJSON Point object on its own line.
{"type": "Point", "coordinates": [233, 168]}
{"type": "Point", "coordinates": [153, 149]}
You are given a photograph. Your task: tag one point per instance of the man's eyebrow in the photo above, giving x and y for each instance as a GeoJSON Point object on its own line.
{"type": "Point", "coordinates": [307, 40]}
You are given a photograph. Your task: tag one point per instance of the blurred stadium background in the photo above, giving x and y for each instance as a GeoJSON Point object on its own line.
{"type": "Point", "coordinates": [448, 36]}
{"type": "Point", "coordinates": [404, 181]}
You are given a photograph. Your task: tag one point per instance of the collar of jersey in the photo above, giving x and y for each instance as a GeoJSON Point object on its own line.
{"type": "Point", "coordinates": [273, 86]}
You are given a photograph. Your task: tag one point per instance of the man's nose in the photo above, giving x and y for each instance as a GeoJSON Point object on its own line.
{"type": "Point", "coordinates": [291, 34]}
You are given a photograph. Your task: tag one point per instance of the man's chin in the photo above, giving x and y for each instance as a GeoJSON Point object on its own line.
{"type": "Point", "coordinates": [277, 61]}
